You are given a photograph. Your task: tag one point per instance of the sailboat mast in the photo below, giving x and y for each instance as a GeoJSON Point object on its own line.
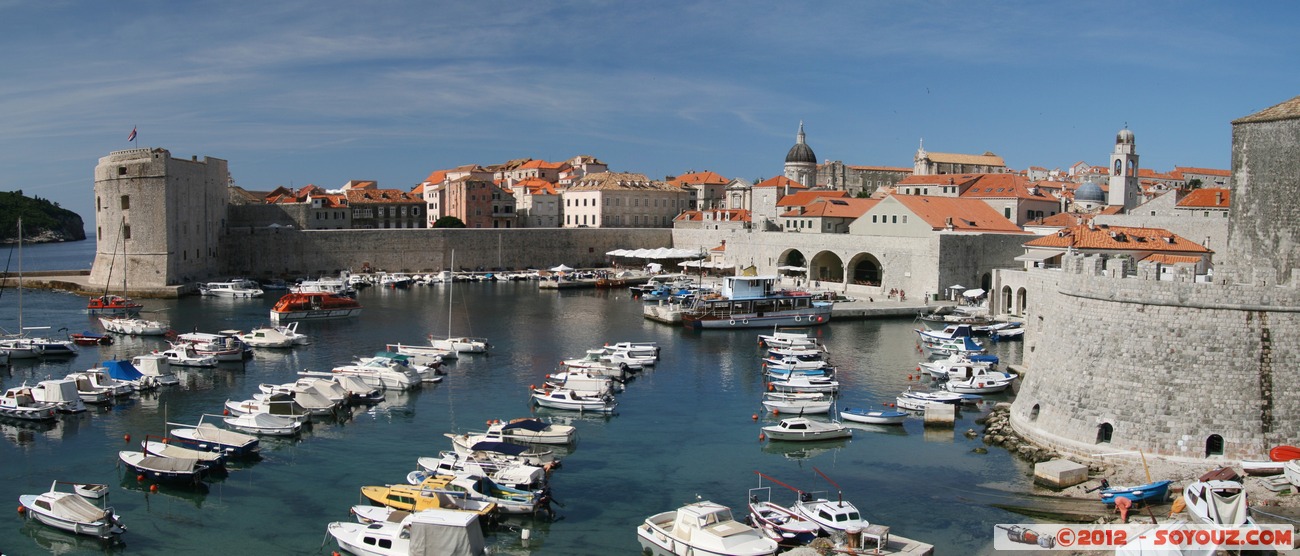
{"type": "Point", "coordinates": [450, 292]}
{"type": "Point", "coordinates": [20, 275]}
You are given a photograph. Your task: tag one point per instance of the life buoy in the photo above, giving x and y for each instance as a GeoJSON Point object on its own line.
{"type": "Point", "coordinates": [744, 321]}
{"type": "Point", "coordinates": [797, 317]}
{"type": "Point", "coordinates": [733, 322]}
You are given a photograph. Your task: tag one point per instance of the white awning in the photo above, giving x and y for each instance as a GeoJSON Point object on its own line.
{"type": "Point", "coordinates": [957, 287]}
{"type": "Point", "coordinates": [973, 293]}
{"type": "Point", "coordinates": [1037, 255]}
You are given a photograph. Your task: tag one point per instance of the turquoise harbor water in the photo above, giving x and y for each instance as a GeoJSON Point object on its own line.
{"type": "Point", "coordinates": [683, 428]}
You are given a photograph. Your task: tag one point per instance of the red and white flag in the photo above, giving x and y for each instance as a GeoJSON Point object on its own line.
{"type": "Point", "coordinates": [131, 137]}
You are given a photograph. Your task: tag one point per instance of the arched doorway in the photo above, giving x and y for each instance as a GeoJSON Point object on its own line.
{"type": "Point", "coordinates": [1006, 299]}
{"type": "Point", "coordinates": [1104, 432]}
{"type": "Point", "coordinates": [1022, 302]}
{"type": "Point", "coordinates": [1214, 445]}
{"type": "Point", "coordinates": [865, 270]}
{"type": "Point", "coordinates": [792, 257]}
{"type": "Point", "coordinates": [826, 266]}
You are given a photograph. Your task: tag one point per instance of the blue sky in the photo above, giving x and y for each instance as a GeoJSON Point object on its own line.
{"type": "Point", "coordinates": [292, 93]}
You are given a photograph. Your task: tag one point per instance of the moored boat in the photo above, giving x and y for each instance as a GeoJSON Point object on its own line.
{"type": "Point", "coordinates": [1150, 493]}
{"type": "Point", "coordinates": [432, 531]}
{"type": "Point", "coordinates": [18, 403]}
{"type": "Point", "coordinates": [70, 511]}
{"type": "Point", "coordinates": [532, 431]}
{"type": "Point", "coordinates": [873, 416]}
{"type": "Point", "coordinates": [803, 429]}
{"type": "Point", "coordinates": [178, 471]}
{"type": "Point", "coordinates": [61, 392]}
{"type": "Point", "coordinates": [779, 523]}
{"type": "Point", "coordinates": [797, 403]}
{"type": "Point", "coordinates": [564, 398]}
{"type": "Point", "coordinates": [108, 304]}
{"type": "Point", "coordinates": [264, 424]}
{"type": "Point", "coordinates": [206, 436]}
{"type": "Point", "coordinates": [702, 528]}
{"type": "Point", "coordinates": [314, 305]}
{"type": "Point", "coordinates": [753, 302]}
{"type": "Point", "coordinates": [88, 338]}
{"type": "Point", "coordinates": [133, 326]}
{"type": "Point", "coordinates": [238, 287]}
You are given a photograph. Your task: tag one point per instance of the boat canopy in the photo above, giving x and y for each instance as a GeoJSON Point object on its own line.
{"type": "Point", "coordinates": [436, 532]}
{"type": "Point", "coordinates": [122, 370]}
{"type": "Point", "coordinates": [499, 447]}
{"type": "Point", "coordinates": [533, 425]}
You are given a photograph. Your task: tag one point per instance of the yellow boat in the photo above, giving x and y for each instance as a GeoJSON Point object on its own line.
{"type": "Point", "coordinates": [430, 494]}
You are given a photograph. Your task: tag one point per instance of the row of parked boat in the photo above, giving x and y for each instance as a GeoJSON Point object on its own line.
{"type": "Point", "coordinates": [588, 383]}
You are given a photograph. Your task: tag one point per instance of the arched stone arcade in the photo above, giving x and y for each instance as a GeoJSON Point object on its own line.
{"type": "Point", "coordinates": [865, 270]}
{"type": "Point", "coordinates": [826, 266]}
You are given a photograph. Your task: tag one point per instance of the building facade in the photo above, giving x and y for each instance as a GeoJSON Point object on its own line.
{"type": "Point", "coordinates": [622, 200]}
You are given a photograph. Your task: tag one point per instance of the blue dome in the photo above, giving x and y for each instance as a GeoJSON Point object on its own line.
{"type": "Point", "coordinates": [1089, 192]}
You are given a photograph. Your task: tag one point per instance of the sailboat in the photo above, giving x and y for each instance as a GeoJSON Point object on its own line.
{"type": "Point", "coordinates": [108, 304]}
{"type": "Point", "coordinates": [458, 344]}
{"type": "Point", "coordinates": [123, 323]}
{"type": "Point", "coordinates": [20, 346]}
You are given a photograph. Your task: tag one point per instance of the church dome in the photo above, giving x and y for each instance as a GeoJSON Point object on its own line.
{"type": "Point", "coordinates": [801, 152]}
{"type": "Point", "coordinates": [1125, 136]}
{"type": "Point", "coordinates": [1089, 192]}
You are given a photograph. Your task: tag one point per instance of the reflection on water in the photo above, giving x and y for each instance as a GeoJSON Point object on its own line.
{"type": "Point", "coordinates": [57, 541]}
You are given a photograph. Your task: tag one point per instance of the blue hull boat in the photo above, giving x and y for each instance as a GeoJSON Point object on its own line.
{"type": "Point", "coordinates": [1151, 493]}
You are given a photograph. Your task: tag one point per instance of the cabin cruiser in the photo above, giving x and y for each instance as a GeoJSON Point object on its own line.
{"type": "Point", "coordinates": [701, 528]}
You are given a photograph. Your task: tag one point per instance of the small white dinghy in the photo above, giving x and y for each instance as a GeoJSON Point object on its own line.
{"type": "Point", "coordinates": [873, 416]}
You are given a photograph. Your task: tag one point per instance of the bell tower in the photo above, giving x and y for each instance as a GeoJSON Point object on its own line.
{"type": "Point", "coordinates": [1123, 183]}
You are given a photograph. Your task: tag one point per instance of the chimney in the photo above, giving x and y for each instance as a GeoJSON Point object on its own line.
{"type": "Point", "coordinates": [1092, 225]}
{"type": "Point", "coordinates": [947, 224]}
{"type": "Point", "coordinates": [1218, 198]}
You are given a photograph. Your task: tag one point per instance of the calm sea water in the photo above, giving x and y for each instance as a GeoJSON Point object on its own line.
{"type": "Point", "coordinates": [683, 429]}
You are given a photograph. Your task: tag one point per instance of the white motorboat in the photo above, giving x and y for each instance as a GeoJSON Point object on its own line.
{"type": "Point", "coordinates": [430, 372]}
{"type": "Point", "coordinates": [809, 352]}
{"type": "Point", "coordinates": [469, 444]}
{"type": "Point", "coordinates": [71, 512]}
{"type": "Point", "coordinates": [186, 356]}
{"type": "Point", "coordinates": [587, 382]}
{"type": "Point", "coordinates": [49, 347]}
{"type": "Point", "coordinates": [284, 336]}
{"type": "Point", "coordinates": [530, 431]}
{"type": "Point", "coordinates": [421, 355]}
{"type": "Point", "coordinates": [165, 449]}
{"type": "Point", "coordinates": [967, 373]}
{"type": "Point", "coordinates": [264, 424]}
{"type": "Point", "coordinates": [18, 347]}
{"type": "Point", "coordinates": [803, 429]}
{"type": "Point", "coordinates": [701, 529]}
{"type": "Point", "coordinates": [509, 500]}
{"type": "Point", "coordinates": [61, 392]}
{"type": "Point", "coordinates": [564, 398]}
{"type": "Point", "coordinates": [788, 339]}
{"type": "Point", "coordinates": [597, 360]}
{"type": "Point", "coordinates": [435, 531]}
{"type": "Point", "coordinates": [460, 344]}
{"type": "Point", "coordinates": [206, 436]}
{"type": "Point", "coordinates": [953, 364]}
{"type": "Point", "coordinates": [164, 470]}
{"type": "Point", "coordinates": [157, 367]}
{"type": "Point", "coordinates": [386, 374]}
{"type": "Point", "coordinates": [280, 405]}
{"type": "Point", "coordinates": [224, 345]}
{"type": "Point", "coordinates": [513, 474]}
{"type": "Point", "coordinates": [979, 385]}
{"type": "Point", "coordinates": [133, 326]}
{"type": "Point", "coordinates": [804, 383]}
{"type": "Point", "coordinates": [234, 288]}
{"type": "Point", "coordinates": [308, 400]}
{"type": "Point", "coordinates": [797, 403]}
{"type": "Point", "coordinates": [98, 379]}
{"type": "Point", "coordinates": [640, 356]}
{"type": "Point", "coordinates": [18, 403]}
{"type": "Point", "coordinates": [831, 515]}
{"type": "Point", "coordinates": [796, 363]}
{"type": "Point", "coordinates": [873, 416]}
{"type": "Point", "coordinates": [652, 346]}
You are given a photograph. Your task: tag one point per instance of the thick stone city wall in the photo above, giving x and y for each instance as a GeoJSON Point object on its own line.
{"type": "Point", "coordinates": [917, 265]}
{"type": "Point", "coordinates": [1166, 364]}
{"type": "Point", "coordinates": [262, 252]}
{"type": "Point", "coordinates": [1211, 232]}
{"type": "Point", "coordinates": [1264, 237]}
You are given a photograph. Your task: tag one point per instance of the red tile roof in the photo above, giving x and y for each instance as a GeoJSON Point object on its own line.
{"type": "Point", "coordinates": [437, 176]}
{"type": "Point", "coordinates": [834, 208]}
{"type": "Point", "coordinates": [805, 197]}
{"type": "Point", "coordinates": [1206, 171]}
{"type": "Point", "coordinates": [719, 215]}
{"type": "Point", "coordinates": [1164, 258]}
{"type": "Point", "coordinates": [699, 178]}
{"type": "Point", "coordinates": [363, 196]}
{"type": "Point", "coordinates": [780, 181]}
{"type": "Point", "coordinates": [1210, 197]}
{"type": "Point", "coordinates": [1119, 238]}
{"type": "Point", "coordinates": [967, 215]}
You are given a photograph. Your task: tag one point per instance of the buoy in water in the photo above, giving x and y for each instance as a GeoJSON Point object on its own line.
{"type": "Point", "coordinates": [153, 488]}
{"type": "Point", "coordinates": [21, 509]}
{"type": "Point", "coordinates": [126, 438]}
{"type": "Point", "coordinates": [139, 478]}
{"type": "Point", "coordinates": [762, 436]}
{"type": "Point", "coordinates": [754, 416]}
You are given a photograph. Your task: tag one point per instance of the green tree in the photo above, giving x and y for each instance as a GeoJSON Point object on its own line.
{"type": "Point", "coordinates": [448, 222]}
{"type": "Point", "coordinates": [1194, 183]}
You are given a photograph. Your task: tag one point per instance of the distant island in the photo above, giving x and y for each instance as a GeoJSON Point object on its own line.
{"type": "Point", "coordinates": [43, 221]}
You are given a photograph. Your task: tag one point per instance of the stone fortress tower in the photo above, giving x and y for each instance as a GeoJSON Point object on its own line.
{"type": "Point", "coordinates": [158, 219]}
{"type": "Point", "coordinates": [1121, 361]}
{"type": "Point", "coordinates": [800, 162]}
{"type": "Point", "coordinates": [1124, 186]}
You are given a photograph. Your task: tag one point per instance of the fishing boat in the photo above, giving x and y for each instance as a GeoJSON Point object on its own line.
{"type": "Point", "coordinates": [183, 355]}
{"type": "Point", "coordinates": [873, 416]}
{"type": "Point", "coordinates": [156, 367]}
{"type": "Point", "coordinates": [134, 326]}
{"type": "Point", "coordinates": [531, 431]}
{"type": "Point", "coordinates": [285, 336]}
{"type": "Point", "coordinates": [209, 437]}
{"type": "Point", "coordinates": [238, 288]}
{"type": "Point", "coordinates": [98, 379]}
{"type": "Point", "coordinates": [753, 302]}
{"type": "Point", "coordinates": [564, 398]}
{"type": "Point", "coordinates": [803, 429]}
{"type": "Point", "coordinates": [18, 403]}
{"type": "Point", "coordinates": [831, 515]}
{"type": "Point", "coordinates": [264, 424]}
{"type": "Point", "coordinates": [467, 444]}
{"type": "Point", "coordinates": [429, 495]}
{"type": "Point", "coordinates": [61, 392]}
{"type": "Point", "coordinates": [88, 338]}
{"type": "Point", "coordinates": [804, 383]}
{"type": "Point", "coordinates": [224, 345]}
{"type": "Point", "coordinates": [174, 471]}
{"type": "Point", "coordinates": [701, 528]}
{"type": "Point", "coordinates": [70, 511]}
{"type": "Point", "coordinates": [163, 448]}
{"type": "Point", "coordinates": [797, 403]}
{"type": "Point", "coordinates": [779, 523]}
{"type": "Point", "coordinates": [512, 474]}
{"type": "Point", "coordinates": [1150, 493]}
{"type": "Point", "coordinates": [509, 500]}
{"type": "Point", "coordinates": [432, 531]}
{"type": "Point", "coordinates": [314, 306]}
